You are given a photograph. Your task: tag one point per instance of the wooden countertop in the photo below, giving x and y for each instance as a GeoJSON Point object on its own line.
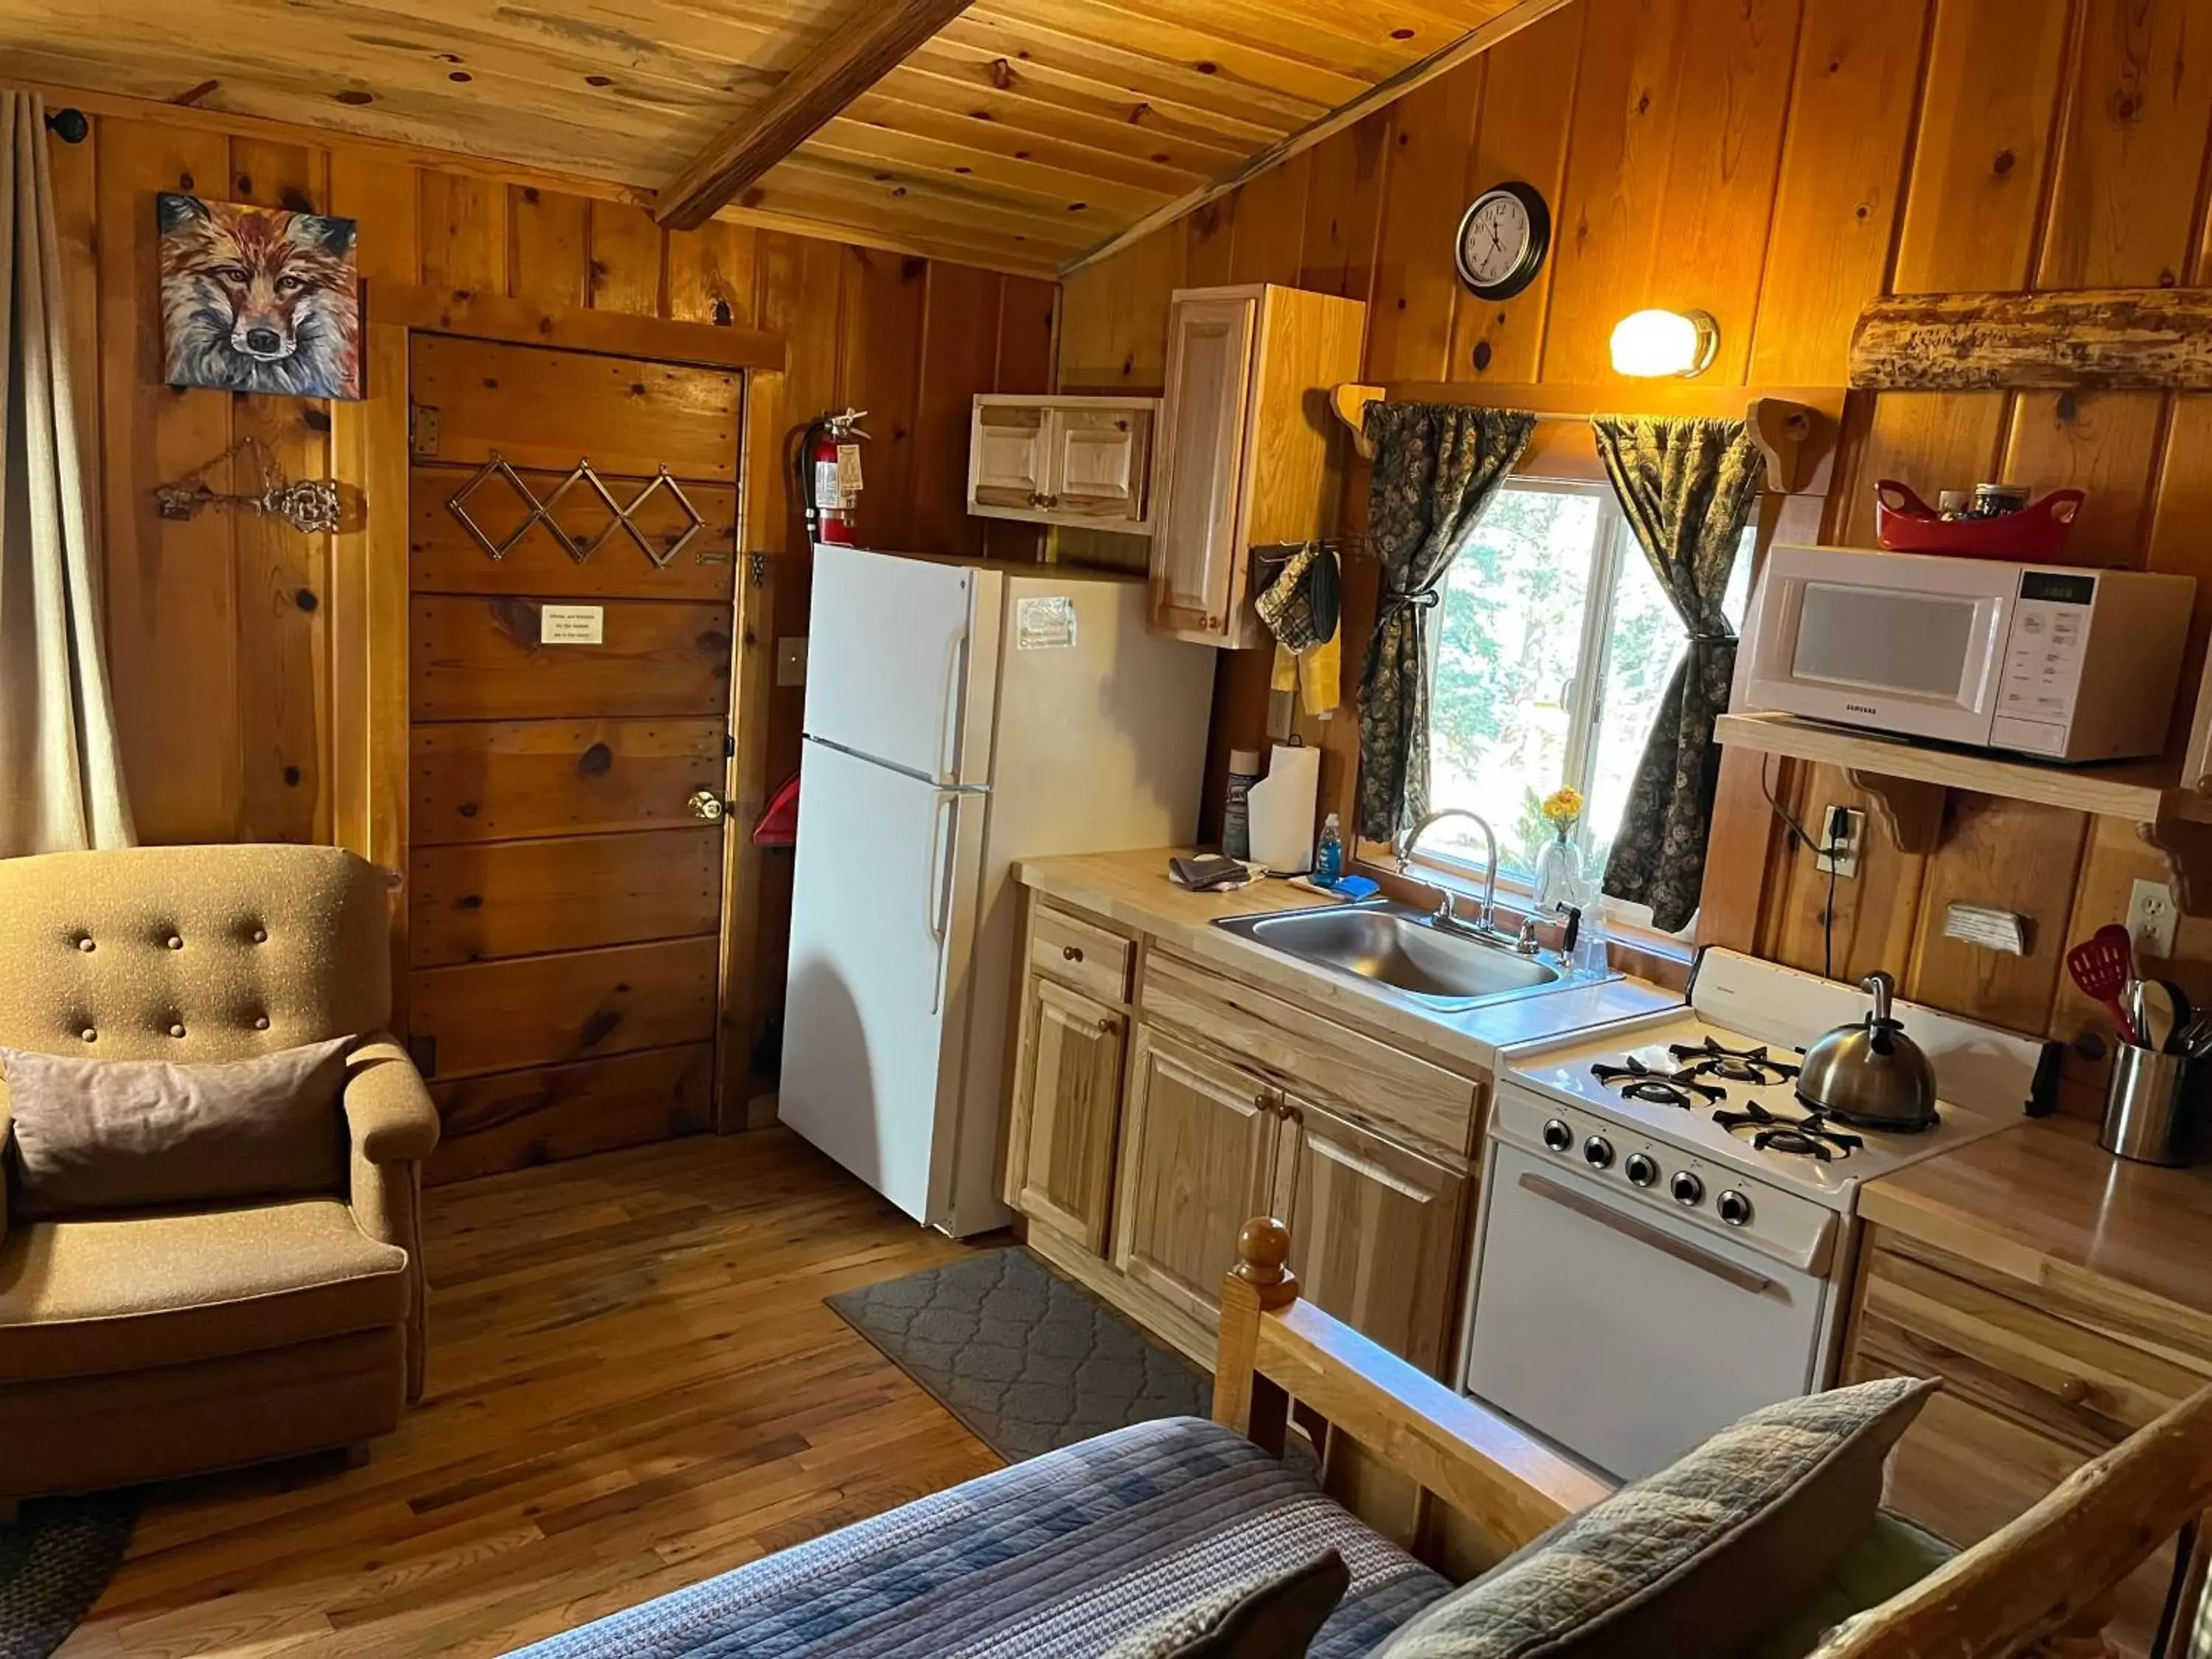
{"type": "Point", "coordinates": [2042, 1203]}
{"type": "Point", "coordinates": [1134, 889]}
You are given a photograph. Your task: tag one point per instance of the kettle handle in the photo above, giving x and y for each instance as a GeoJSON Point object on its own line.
{"type": "Point", "coordinates": [1882, 987]}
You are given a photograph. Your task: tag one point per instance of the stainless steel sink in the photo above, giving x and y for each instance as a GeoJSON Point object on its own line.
{"type": "Point", "coordinates": [1401, 949]}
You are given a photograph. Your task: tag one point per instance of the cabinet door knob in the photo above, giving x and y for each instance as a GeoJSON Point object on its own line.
{"type": "Point", "coordinates": [2073, 1391]}
{"type": "Point", "coordinates": [1071, 952]}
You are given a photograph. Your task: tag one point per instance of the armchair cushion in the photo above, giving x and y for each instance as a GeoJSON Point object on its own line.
{"type": "Point", "coordinates": [94, 1134]}
{"type": "Point", "coordinates": [88, 1297]}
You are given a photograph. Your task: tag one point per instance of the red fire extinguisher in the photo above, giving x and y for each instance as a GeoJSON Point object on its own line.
{"type": "Point", "coordinates": [829, 477]}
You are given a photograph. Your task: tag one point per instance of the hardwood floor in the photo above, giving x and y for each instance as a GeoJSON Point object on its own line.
{"type": "Point", "coordinates": [633, 1385]}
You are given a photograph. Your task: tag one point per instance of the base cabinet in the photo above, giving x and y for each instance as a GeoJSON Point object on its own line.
{"type": "Point", "coordinates": [1375, 1232]}
{"type": "Point", "coordinates": [2030, 1393]}
{"type": "Point", "coordinates": [1068, 1097]}
{"type": "Point", "coordinates": [1198, 1161]}
{"type": "Point", "coordinates": [1148, 1124]}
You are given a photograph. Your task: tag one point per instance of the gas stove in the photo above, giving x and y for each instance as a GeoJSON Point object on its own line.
{"type": "Point", "coordinates": [1727, 1098]}
{"type": "Point", "coordinates": [1657, 1203]}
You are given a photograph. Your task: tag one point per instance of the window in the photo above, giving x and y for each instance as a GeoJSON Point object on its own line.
{"type": "Point", "coordinates": [1553, 647]}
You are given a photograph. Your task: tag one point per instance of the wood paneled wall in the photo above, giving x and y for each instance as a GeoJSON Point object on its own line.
{"type": "Point", "coordinates": [1778, 162]}
{"type": "Point", "coordinates": [216, 633]}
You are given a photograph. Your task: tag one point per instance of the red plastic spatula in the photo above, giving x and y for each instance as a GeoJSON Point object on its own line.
{"type": "Point", "coordinates": [2102, 965]}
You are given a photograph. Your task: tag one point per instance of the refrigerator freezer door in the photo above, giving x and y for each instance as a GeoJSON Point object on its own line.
{"type": "Point", "coordinates": [883, 914]}
{"type": "Point", "coordinates": [888, 651]}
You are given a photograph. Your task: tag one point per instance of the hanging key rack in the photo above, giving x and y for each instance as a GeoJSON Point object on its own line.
{"type": "Point", "coordinates": [310, 506]}
{"type": "Point", "coordinates": [541, 511]}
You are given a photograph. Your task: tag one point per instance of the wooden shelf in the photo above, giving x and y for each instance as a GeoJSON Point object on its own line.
{"type": "Point", "coordinates": [1909, 782]}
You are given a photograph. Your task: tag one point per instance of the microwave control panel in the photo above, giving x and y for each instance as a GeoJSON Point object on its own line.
{"type": "Point", "coordinates": [2042, 660]}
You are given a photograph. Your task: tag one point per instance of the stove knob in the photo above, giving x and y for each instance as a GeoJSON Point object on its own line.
{"type": "Point", "coordinates": [1641, 1170]}
{"type": "Point", "coordinates": [1688, 1190]}
{"type": "Point", "coordinates": [1732, 1207]}
{"type": "Point", "coordinates": [1597, 1152]}
{"type": "Point", "coordinates": [1558, 1136]}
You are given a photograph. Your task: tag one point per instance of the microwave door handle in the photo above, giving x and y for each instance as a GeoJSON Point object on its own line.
{"type": "Point", "coordinates": [1635, 1227]}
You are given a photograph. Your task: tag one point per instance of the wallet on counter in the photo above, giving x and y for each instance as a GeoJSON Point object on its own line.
{"type": "Point", "coordinates": [1209, 872]}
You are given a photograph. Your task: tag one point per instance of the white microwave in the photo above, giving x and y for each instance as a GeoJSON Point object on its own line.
{"type": "Point", "coordinates": [2065, 664]}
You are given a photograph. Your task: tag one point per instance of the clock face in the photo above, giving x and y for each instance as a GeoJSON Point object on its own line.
{"type": "Point", "coordinates": [1502, 240]}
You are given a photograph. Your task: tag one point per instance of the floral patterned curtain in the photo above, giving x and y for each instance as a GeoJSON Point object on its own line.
{"type": "Point", "coordinates": [1436, 467]}
{"type": "Point", "coordinates": [1687, 489]}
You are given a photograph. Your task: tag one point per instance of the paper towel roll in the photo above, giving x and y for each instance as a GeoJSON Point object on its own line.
{"type": "Point", "coordinates": [1282, 809]}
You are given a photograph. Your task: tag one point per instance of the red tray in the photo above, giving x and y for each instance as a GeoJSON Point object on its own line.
{"type": "Point", "coordinates": [1906, 524]}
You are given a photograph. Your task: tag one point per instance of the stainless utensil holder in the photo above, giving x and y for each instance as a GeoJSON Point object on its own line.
{"type": "Point", "coordinates": [2152, 1106]}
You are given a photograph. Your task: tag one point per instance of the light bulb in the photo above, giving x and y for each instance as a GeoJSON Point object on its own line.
{"type": "Point", "coordinates": [1653, 344]}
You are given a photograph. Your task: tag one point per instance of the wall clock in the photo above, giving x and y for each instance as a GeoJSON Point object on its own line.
{"type": "Point", "coordinates": [1502, 240]}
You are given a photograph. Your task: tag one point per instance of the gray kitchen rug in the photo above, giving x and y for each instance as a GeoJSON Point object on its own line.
{"type": "Point", "coordinates": [54, 1563]}
{"type": "Point", "coordinates": [1028, 1361]}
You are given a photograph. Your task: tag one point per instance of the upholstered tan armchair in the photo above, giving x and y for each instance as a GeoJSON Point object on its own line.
{"type": "Point", "coordinates": [143, 1344]}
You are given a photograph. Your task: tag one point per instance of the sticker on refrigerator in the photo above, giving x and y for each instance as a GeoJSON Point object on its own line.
{"type": "Point", "coordinates": [1045, 624]}
{"type": "Point", "coordinates": [572, 624]}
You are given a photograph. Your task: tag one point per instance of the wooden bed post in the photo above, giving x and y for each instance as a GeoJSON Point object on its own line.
{"type": "Point", "coordinates": [1260, 1283]}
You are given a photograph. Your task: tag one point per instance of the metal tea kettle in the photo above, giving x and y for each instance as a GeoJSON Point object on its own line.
{"type": "Point", "coordinates": [1870, 1075]}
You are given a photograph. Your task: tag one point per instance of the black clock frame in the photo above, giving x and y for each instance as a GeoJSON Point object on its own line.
{"type": "Point", "coordinates": [1539, 242]}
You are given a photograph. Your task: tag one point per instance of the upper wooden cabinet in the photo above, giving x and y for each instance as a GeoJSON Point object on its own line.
{"type": "Point", "coordinates": [1247, 457]}
{"type": "Point", "coordinates": [1063, 460]}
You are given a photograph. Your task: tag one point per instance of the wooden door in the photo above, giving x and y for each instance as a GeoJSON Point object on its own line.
{"type": "Point", "coordinates": [1100, 458]}
{"type": "Point", "coordinates": [1375, 1232]}
{"type": "Point", "coordinates": [1196, 556]}
{"type": "Point", "coordinates": [1067, 1105]}
{"type": "Point", "coordinates": [569, 684]}
{"type": "Point", "coordinates": [1008, 461]}
{"type": "Point", "coordinates": [1198, 1161]}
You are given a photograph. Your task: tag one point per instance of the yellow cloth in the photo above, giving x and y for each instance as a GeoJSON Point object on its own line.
{"type": "Point", "coordinates": [1316, 674]}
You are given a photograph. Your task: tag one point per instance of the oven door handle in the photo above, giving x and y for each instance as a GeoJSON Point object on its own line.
{"type": "Point", "coordinates": [1644, 1232]}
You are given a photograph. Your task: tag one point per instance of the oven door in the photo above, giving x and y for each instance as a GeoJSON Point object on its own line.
{"type": "Point", "coordinates": [1892, 642]}
{"type": "Point", "coordinates": [1625, 1339]}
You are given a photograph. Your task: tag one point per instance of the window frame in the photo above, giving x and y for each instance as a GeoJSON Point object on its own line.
{"type": "Point", "coordinates": [1465, 876]}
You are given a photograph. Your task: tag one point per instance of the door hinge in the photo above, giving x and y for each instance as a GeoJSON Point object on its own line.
{"type": "Point", "coordinates": [421, 429]}
{"type": "Point", "coordinates": [757, 565]}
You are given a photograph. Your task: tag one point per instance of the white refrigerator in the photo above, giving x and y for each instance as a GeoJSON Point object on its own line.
{"type": "Point", "coordinates": [959, 717]}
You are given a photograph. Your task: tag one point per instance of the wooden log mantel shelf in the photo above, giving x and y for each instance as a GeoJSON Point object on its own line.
{"type": "Point", "coordinates": [2152, 339]}
{"type": "Point", "coordinates": [1909, 783]}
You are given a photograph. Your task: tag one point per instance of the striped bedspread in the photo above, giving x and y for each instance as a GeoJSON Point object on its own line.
{"type": "Point", "coordinates": [1057, 1558]}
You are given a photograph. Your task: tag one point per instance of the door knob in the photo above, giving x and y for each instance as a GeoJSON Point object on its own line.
{"type": "Point", "coordinates": [708, 807]}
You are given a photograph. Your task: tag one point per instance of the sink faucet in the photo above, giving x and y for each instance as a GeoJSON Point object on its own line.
{"type": "Point", "coordinates": [1486, 919]}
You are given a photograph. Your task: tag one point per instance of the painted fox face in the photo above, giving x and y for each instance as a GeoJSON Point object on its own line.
{"type": "Point", "coordinates": [259, 300]}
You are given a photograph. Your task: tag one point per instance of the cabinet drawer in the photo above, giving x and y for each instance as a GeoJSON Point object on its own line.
{"type": "Point", "coordinates": [1081, 954]}
{"type": "Point", "coordinates": [1309, 1055]}
{"type": "Point", "coordinates": [2078, 1386]}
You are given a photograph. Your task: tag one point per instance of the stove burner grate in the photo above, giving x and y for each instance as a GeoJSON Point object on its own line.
{"type": "Point", "coordinates": [1711, 1058]}
{"type": "Point", "coordinates": [1637, 1081]}
{"type": "Point", "coordinates": [1805, 1137]}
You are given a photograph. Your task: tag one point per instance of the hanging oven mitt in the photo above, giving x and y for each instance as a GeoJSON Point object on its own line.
{"type": "Point", "coordinates": [1301, 608]}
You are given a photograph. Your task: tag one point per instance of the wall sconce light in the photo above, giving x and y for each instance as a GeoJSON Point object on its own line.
{"type": "Point", "coordinates": [1653, 344]}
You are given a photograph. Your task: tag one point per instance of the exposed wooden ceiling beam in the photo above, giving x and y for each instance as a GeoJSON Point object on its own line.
{"type": "Point", "coordinates": [1516, 16]}
{"type": "Point", "coordinates": [846, 65]}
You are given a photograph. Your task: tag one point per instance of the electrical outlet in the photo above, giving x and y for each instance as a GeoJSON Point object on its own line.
{"type": "Point", "coordinates": [1843, 832]}
{"type": "Point", "coordinates": [791, 661]}
{"type": "Point", "coordinates": [2151, 917]}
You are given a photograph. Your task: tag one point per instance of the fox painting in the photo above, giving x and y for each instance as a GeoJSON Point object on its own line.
{"type": "Point", "coordinates": [259, 298]}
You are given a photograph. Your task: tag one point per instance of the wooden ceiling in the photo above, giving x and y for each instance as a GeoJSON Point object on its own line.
{"type": "Point", "coordinates": [1022, 135]}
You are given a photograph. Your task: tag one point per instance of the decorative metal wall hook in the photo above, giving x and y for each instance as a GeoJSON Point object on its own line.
{"type": "Point", "coordinates": [310, 506]}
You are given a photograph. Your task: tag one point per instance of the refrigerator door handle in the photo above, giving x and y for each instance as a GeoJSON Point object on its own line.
{"type": "Point", "coordinates": [943, 855]}
{"type": "Point", "coordinates": [948, 711]}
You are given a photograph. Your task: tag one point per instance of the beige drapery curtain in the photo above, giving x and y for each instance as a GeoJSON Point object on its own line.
{"type": "Point", "coordinates": [61, 776]}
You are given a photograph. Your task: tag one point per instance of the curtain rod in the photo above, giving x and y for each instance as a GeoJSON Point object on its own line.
{"type": "Point", "coordinates": [1781, 427]}
{"type": "Point", "coordinates": [68, 125]}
